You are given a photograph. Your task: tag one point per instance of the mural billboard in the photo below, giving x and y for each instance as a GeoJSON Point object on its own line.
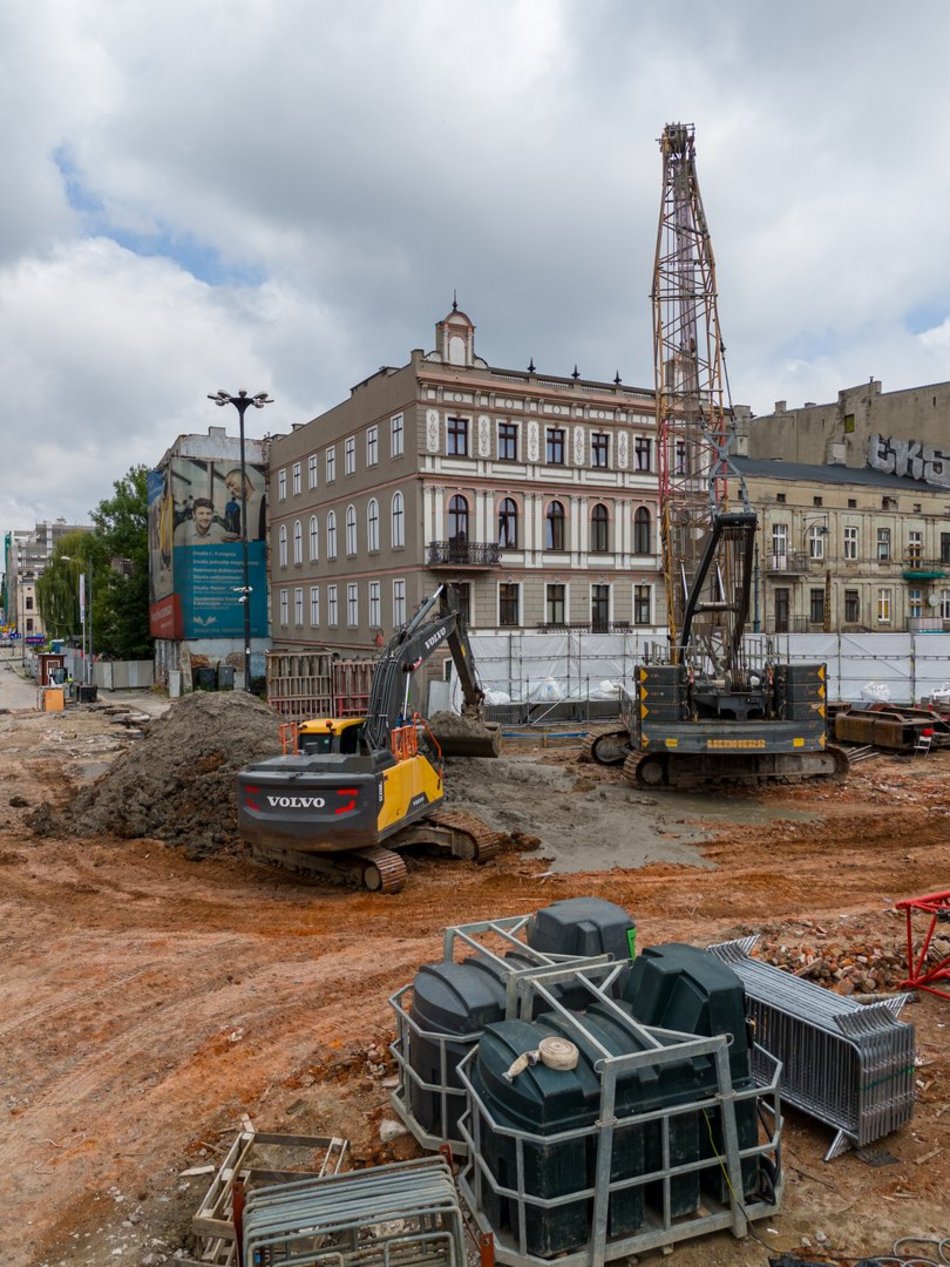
{"type": "Point", "coordinates": [195, 554]}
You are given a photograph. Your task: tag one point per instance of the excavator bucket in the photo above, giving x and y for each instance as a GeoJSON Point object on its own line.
{"type": "Point", "coordinates": [466, 735]}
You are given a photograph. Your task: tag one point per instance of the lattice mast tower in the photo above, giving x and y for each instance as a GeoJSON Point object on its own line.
{"type": "Point", "coordinates": [707, 550]}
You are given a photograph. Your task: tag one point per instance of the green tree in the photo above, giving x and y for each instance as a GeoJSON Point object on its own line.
{"type": "Point", "coordinates": [57, 590]}
{"type": "Point", "coordinates": [120, 587]}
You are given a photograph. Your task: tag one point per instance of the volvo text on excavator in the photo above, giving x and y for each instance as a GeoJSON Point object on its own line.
{"type": "Point", "coordinates": [711, 708]}
{"type": "Point", "coordinates": [354, 791]}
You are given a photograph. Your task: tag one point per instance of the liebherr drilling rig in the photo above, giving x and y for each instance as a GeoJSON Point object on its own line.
{"type": "Point", "coordinates": [707, 712]}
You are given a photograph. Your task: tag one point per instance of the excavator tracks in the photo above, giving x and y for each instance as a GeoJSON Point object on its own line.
{"type": "Point", "coordinates": [472, 839]}
{"type": "Point", "coordinates": [605, 746]}
{"type": "Point", "coordinates": [652, 770]}
{"type": "Point", "coordinates": [375, 868]}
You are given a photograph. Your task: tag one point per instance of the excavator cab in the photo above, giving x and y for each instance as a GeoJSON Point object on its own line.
{"type": "Point", "coordinates": [323, 735]}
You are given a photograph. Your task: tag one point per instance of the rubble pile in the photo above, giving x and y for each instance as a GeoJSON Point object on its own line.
{"type": "Point", "coordinates": [178, 783]}
{"type": "Point", "coordinates": [846, 968]}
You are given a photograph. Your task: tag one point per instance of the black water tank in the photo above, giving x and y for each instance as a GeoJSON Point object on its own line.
{"type": "Point", "coordinates": [584, 926]}
{"type": "Point", "coordinates": [680, 987]}
{"type": "Point", "coordinates": [539, 1101]}
{"type": "Point", "coordinates": [453, 1002]}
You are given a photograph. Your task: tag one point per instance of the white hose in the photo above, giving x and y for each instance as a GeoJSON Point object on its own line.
{"type": "Point", "coordinates": [554, 1053]}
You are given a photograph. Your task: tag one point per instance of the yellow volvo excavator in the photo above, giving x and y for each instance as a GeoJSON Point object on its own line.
{"type": "Point", "coordinates": [354, 791]}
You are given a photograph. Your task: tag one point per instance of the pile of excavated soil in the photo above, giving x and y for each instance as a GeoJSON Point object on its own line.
{"type": "Point", "coordinates": [177, 784]}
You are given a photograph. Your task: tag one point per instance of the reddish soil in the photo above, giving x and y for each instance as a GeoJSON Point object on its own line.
{"type": "Point", "coordinates": [149, 1001]}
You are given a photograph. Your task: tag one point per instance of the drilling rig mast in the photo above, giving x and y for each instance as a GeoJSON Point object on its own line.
{"type": "Point", "coordinates": [708, 713]}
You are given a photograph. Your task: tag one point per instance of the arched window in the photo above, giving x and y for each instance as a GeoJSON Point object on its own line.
{"type": "Point", "coordinates": [372, 525]}
{"type": "Point", "coordinates": [331, 534]}
{"type": "Point", "coordinates": [508, 524]}
{"type": "Point", "coordinates": [399, 522]}
{"type": "Point", "coordinates": [458, 528]}
{"type": "Point", "coordinates": [554, 526]}
{"type": "Point", "coordinates": [599, 529]}
{"type": "Point", "coordinates": [351, 530]}
{"type": "Point", "coordinates": [642, 531]}
{"type": "Point", "coordinates": [282, 547]}
{"type": "Point", "coordinates": [314, 539]}
{"type": "Point", "coordinates": [298, 542]}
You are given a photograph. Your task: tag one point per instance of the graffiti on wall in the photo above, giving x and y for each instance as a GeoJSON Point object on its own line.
{"type": "Point", "coordinates": [910, 458]}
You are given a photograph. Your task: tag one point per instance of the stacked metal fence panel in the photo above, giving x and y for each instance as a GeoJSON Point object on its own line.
{"type": "Point", "coordinates": [402, 1215]}
{"type": "Point", "coordinates": [849, 1065]}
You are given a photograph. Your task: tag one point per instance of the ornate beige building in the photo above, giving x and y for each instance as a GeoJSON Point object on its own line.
{"type": "Point", "coordinates": [536, 494]}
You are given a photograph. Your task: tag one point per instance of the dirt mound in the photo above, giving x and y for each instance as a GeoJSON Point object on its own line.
{"type": "Point", "coordinates": [178, 783]}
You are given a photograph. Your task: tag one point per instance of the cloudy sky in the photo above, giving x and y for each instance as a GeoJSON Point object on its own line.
{"type": "Point", "coordinates": [284, 194]}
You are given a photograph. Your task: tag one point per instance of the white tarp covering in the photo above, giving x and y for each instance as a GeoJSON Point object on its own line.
{"type": "Point", "coordinates": [909, 666]}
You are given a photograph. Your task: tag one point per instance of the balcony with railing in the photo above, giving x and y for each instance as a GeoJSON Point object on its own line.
{"type": "Point", "coordinates": [587, 626]}
{"type": "Point", "coordinates": [792, 563]}
{"type": "Point", "coordinates": [914, 568]}
{"type": "Point", "coordinates": [457, 553]}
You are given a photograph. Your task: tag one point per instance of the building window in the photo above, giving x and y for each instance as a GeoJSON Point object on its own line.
{"type": "Point", "coordinates": [282, 546]}
{"type": "Point", "coordinates": [599, 529]}
{"type": "Point", "coordinates": [816, 608]}
{"type": "Point", "coordinates": [642, 453]}
{"type": "Point", "coordinates": [372, 526]}
{"type": "Point", "coordinates": [312, 471]}
{"type": "Point", "coordinates": [780, 498]}
{"type": "Point", "coordinates": [284, 616]}
{"type": "Point", "coordinates": [641, 604]}
{"type": "Point", "coordinates": [817, 501]}
{"type": "Point", "coordinates": [852, 503]}
{"type": "Point", "coordinates": [458, 519]}
{"type": "Point", "coordinates": [456, 437]}
{"type": "Point", "coordinates": [28, 602]}
{"type": "Point", "coordinates": [883, 545]}
{"type": "Point", "coordinates": [915, 602]}
{"type": "Point", "coordinates": [554, 604]}
{"type": "Point", "coordinates": [680, 465]}
{"type": "Point", "coordinates": [945, 547]}
{"type": "Point", "coordinates": [816, 541]}
{"type": "Point", "coordinates": [782, 605]}
{"type": "Point", "coordinates": [396, 436]}
{"type": "Point", "coordinates": [314, 539]}
{"type": "Point", "coordinates": [600, 608]}
{"type": "Point", "coordinates": [915, 546]}
{"type": "Point", "coordinates": [298, 606]}
{"type": "Point", "coordinates": [333, 614]}
{"type": "Point", "coordinates": [599, 448]}
{"type": "Point", "coordinates": [314, 605]}
{"type": "Point", "coordinates": [554, 449]}
{"type": "Point", "coordinates": [642, 531]}
{"type": "Point", "coordinates": [349, 455]}
{"type": "Point", "coordinates": [463, 592]}
{"type": "Point", "coordinates": [350, 531]}
{"type": "Point", "coordinates": [298, 542]}
{"type": "Point", "coordinates": [851, 542]}
{"type": "Point", "coordinates": [398, 522]}
{"type": "Point", "coordinates": [508, 525]}
{"type": "Point", "coordinates": [331, 464]}
{"type": "Point", "coordinates": [884, 607]}
{"type": "Point", "coordinates": [374, 604]}
{"type": "Point", "coordinates": [554, 527]}
{"type": "Point", "coordinates": [372, 446]}
{"type": "Point", "coordinates": [399, 604]}
{"type": "Point", "coordinates": [508, 596]}
{"type": "Point", "coordinates": [282, 486]}
{"type": "Point", "coordinates": [779, 546]}
{"type": "Point", "coordinates": [508, 442]}
{"type": "Point", "coordinates": [945, 604]}
{"type": "Point", "coordinates": [29, 624]}
{"type": "Point", "coordinates": [352, 605]}
{"type": "Point", "coordinates": [852, 607]}
{"type": "Point", "coordinates": [331, 534]}
{"type": "Point", "coordinates": [296, 478]}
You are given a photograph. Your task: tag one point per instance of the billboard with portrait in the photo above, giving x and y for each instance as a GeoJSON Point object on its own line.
{"type": "Point", "coordinates": [196, 557]}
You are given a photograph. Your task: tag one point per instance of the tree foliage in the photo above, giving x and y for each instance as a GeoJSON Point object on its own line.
{"type": "Point", "coordinates": [113, 557]}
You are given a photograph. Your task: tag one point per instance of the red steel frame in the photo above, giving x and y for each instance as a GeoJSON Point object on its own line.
{"type": "Point", "coordinates": [937, 906]}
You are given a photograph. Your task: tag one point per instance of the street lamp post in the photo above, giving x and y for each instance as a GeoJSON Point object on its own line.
{"type": "Point", "coordinates": [241, 403]}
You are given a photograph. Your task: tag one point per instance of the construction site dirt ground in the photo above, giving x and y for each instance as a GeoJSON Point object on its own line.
{"type": "Point", "coordinates": [151, 1003]}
